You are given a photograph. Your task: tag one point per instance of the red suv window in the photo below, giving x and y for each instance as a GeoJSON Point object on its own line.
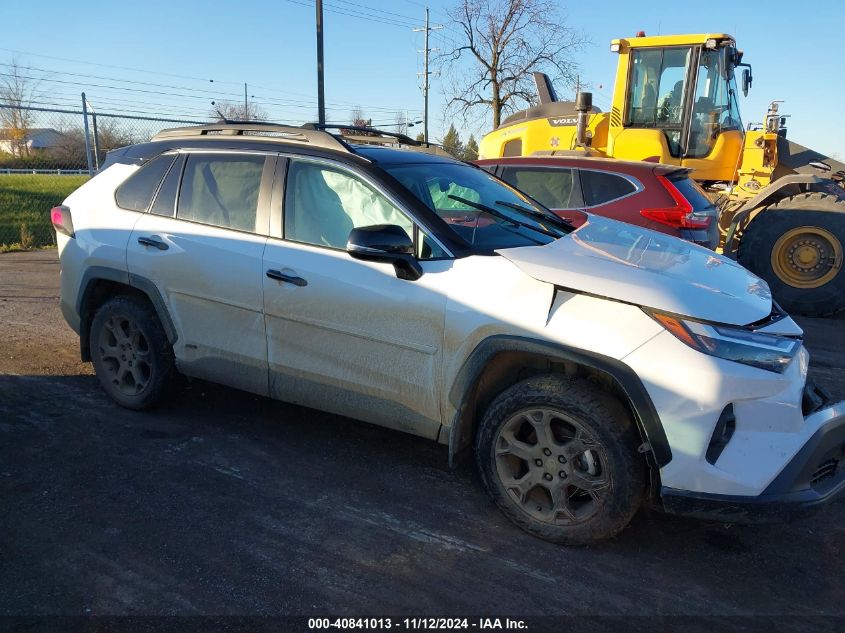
{"type": "Point", "coordinates": [553, 188]}
{"type": "Point", "coordinates": [601, 187]}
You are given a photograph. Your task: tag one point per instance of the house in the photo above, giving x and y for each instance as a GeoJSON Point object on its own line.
{"type": "Point", "coordinates": [23, 141]}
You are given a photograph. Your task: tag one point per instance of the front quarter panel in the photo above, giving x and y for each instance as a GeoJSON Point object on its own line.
{"type": "Point", "coordinates": [490, 297]}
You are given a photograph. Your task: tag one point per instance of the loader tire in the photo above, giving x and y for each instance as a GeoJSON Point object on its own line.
{"type": "Point", "coordinates": [796, 245]}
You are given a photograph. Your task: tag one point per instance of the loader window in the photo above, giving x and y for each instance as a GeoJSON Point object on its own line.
{"type": "Point", "coordinates": [715, 106]}
{"type": "Point", "coordinates": [656, 91]}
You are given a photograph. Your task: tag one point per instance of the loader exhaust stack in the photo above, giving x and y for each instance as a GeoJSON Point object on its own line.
{"type": "Point", "coordinates": [583, 105]}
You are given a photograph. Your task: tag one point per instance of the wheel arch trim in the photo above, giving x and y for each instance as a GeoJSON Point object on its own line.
{"type": "Point", "coordinates": [645, 413]}
{"type": "Point", "coordinates": [104, 273]}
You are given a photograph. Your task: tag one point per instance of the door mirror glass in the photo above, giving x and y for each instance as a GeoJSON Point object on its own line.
{"type": "Point", "coordinates": [385, 243]}
{"type": "Point", "coordinates": [746, 80]}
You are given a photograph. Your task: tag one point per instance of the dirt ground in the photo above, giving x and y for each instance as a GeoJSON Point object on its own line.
{"type": "Point", "coordinates": [221, 502]}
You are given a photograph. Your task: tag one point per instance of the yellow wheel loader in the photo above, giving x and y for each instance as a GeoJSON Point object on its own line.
{"type": "Point", "coordinates": [675, 101]}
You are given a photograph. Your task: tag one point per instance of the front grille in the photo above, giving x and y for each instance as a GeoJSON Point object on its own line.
{"type": "Point", "coordinates": [826, 470]}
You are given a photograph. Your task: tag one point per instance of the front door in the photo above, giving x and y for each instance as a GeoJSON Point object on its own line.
{"type": "Point", "coordinates": [346, 335]}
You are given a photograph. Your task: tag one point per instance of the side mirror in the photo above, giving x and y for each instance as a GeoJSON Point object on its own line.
{"type": "Point", "coordinates": [386, 243]}
{"type": "Point", "coordinates": [746, 80]}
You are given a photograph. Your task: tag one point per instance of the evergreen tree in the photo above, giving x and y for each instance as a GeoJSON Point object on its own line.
{"type": "Point", "coordinates": [470, 149]}
{"type": "Point", "coordinates": [452, 142]}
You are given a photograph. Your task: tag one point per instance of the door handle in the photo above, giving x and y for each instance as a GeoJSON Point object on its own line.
{"type": "Point", "coordinates": [290, 279]}
{"type": "Point", "coordinates": [155, 241]}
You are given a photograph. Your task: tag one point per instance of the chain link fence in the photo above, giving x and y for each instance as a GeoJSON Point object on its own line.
{"type": "Point", "coordinates": [45, 154]}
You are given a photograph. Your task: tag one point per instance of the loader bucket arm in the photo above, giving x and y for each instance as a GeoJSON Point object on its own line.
{"type": "Point", "coordinates": [798, 159]}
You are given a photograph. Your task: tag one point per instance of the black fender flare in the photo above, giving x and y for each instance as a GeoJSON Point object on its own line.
{"type": "Point", "coordinates": [142, 284]}
{"type": "Point", "coordinates": [646, 417]}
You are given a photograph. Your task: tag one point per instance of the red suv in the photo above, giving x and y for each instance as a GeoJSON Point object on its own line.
{"type": "Point", "coordinates": [659, 197]}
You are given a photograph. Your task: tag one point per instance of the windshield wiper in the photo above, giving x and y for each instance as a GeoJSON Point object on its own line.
{"type": "Point", "coordinates": [548, 217]}
{"type": "Point", "coordinates": [503, 216]}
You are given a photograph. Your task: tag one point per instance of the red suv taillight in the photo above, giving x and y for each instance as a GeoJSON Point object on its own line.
{"type": "Point", "coordinates": [62, 222]}
{"type": "Point", "coordinates": [680, 216]}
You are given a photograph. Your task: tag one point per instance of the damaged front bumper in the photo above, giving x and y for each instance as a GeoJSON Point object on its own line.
{"type": "Point", "coordinates": [813, 477]}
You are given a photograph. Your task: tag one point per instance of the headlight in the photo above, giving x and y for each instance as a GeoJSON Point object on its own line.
{"type": "Point", "coordinates": [739, 344]}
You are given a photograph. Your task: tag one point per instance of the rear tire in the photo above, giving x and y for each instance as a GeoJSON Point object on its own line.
{"type": "Point", "coordinates": [559, 457]}
{"type": "Point", "coordinates": [796, 245]}
{"type": "Point", "coordinates": [131, 354]}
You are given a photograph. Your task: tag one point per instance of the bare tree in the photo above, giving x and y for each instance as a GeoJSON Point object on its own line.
{"type": "Point", "coordinates": [18, 91]}
{"type": "Point", "coordinates": [357, 118]}
{"type": "Point", "coordinates": [233, 111]}
{"type": "Point", "coordinates": [501, 43]}
{"type": "Point", "coordinates": [69, 151]}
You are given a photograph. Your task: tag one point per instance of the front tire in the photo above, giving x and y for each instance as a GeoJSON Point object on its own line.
{"type": "Point", "coordinates": [132, 358]}
{"type": "Point", "coordinates": [559, 457]}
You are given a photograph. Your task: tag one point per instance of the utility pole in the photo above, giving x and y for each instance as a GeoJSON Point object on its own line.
{"type": "Point", "coordinates": [246, 105]}
{"type": "Point", "coordinates": [96, 137]}
{"type": "Point", "coordinates": [321, 97]}
{"type": "Point", "coordinates": [427, 29]}
{"type": "Point", "coordinates": [87, 135]}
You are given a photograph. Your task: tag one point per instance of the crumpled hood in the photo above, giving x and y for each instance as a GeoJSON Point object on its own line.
{"type": "Point", "coordinates": [636, 265]}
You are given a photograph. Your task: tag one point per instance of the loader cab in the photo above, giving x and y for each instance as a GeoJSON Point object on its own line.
{"type": "Point", "coordinates": [678, 101]}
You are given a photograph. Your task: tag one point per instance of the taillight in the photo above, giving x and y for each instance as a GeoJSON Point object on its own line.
{"type": "Point", "coordinates": [62, 222]}
{"type": "Point", "coordinates": [681, 215]}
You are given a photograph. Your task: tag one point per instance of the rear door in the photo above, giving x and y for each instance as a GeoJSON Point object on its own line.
{"type": "Point", "coordinates": [202, 244]}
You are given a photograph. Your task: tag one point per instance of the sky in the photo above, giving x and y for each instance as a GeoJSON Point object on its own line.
{"type": "Point", "coordinates": [156, 57]}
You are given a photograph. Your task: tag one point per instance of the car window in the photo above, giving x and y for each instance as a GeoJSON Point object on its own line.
{"type": "Point", "coordinates": [601, 187]}
{"type": "Point", "coordinates": [221, 190]}
{"type": "Point", "coordinates": [552, 187]}
{"type": "Point", "coordinates": [694, 194]}
{"type": "Point", "coordinates": [479, 208]}
{"type": "Point", "coordinates": [323, 204]}
{"type": "Point", "coordinates": [165, 202]}
{"type": "Point", "coordinates": [137, 191]}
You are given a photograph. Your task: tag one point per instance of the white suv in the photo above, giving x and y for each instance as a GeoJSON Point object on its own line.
{"type": "Point", "coordinates": [590, 369]}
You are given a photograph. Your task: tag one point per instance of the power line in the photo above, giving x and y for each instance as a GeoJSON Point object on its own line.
{"type": "Point", "coordinates": [132, 81]}
{"type": "Point", "coordinates": [348, 13]}
{"type": "Point", "coordinates": [209, 92]}
{"type": "Point", "coordinates": [139, 70]}
{"type": "Point", "coordinates": [425, 6]}
{"type": "Point", "coordinates": [262, 100]}
{"type": "Point", "coordinates": [374, 9]}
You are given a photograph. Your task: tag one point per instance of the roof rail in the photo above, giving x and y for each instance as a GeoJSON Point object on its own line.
{"type": "Point", "coordinates": [268, 131]}
{"type": "Point", "coordinates": [402, 138]}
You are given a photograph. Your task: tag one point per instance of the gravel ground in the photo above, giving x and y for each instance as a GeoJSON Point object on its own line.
{"type": "Point", "coordinates": [225, 503]}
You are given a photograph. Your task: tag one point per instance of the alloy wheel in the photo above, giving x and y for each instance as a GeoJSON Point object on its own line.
{"type": "Point", "coordinates": [552, 466]}
{"type": "Point", "coordinates": [125, 355]}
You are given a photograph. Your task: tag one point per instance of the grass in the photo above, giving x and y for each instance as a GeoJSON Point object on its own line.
{"type": "Point", "coordinates": [25, 203]}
